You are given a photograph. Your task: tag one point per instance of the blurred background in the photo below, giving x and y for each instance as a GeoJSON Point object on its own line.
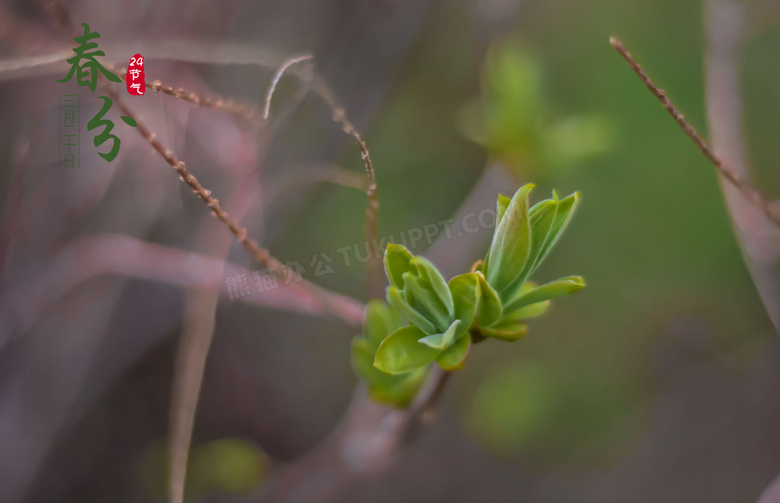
{"type": "Point", "coordinates": [658, 382]}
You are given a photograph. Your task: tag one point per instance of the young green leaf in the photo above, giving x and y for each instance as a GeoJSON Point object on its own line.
{"type": "Point", "coordinates": [401, 352]}
{"type": "Point", "coordinates": [422, 298]}
{"type": "Point", "coordinates": [441, 341]}
{"type": "Point", "coordinates": [566, 207]}
{"type": "Point", "coordinates": [541, 216]}
{"type": "Point", "coordinates": [502, 204]}
{"type": "Point", "coordinates": [454, 356]}
{"type": "Point", "coordinates": [529, 311]}
{"type": "Point", "coordinates": [464, 298]}
{"type": "Point", "coordinates": [428, 272]}
{"type": "Point", "coordinates": [511, 242]}
{"type": "Point", "coordinates": [399, 390]}
{"type": "Point", "coordinates": [397, 262]}
{"type": "Point", "coordinates": [552, 290]}
{"type": "Point", "coordinates": [510, 331]}
{"type": "Point", "coordinates": [488, 303]}
{"type": "Point", "coordinates": [396, 299]}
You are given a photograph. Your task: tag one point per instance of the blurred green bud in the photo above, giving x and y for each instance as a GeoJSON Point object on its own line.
{"type": "Point", "coordinates": [511, 122]}
{"type": "Point", "coordinates": [395, 390]}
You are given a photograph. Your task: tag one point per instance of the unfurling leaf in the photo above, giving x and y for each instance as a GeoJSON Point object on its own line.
{"type": "Point", "coordinates": [397, 262]}
{"type": "Point", "coordinates": [441, 341]}
{"type": "Point", "coordinates": [395, 298]}
{"type": "Point", "coordinates": [511, 243]}
{"type": "Point", "coordinates": [488, 303]}
{"type": "Point", "coordinates": [552, 290]}
{"type": "Point", "coordinates": [401, 352]}
{"type": "Point", "coordinates": [454, 357]}
{"type": "Point", "coordinates": [508, 331]}
{"type": "Point", "coordinates": [429, 273]}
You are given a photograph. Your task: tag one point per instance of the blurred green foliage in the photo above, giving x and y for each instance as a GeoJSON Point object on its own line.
{"type": "Point", "coordinates": [511, 120]}
{"type": "Point", "coordinates": [227, 466]}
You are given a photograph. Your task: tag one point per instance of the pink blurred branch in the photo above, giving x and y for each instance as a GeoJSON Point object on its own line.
{"type": "Point", "coordinates": [26, 302]}
{"type": "Point", "coordinates": [759, 238]}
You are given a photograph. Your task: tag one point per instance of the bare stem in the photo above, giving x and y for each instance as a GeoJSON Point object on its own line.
{"type": "Point", "coordinates": [245, 110]}
{"type": "Point", "coordinates": [277, 77]}
{"type": "Point", "coordinates": [340, 116]}
{"type": "Point", "coordinates": [746, 188]}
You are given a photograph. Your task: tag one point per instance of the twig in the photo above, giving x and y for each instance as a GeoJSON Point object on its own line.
{"type": "Point", "coordinates": [245, 110]}
{"type": "Point", "coordinates": [761, 201]}
{"type": "Point", "coordinates": [277, 76]}
{"type": "Point", "coordinates": [340, 116]}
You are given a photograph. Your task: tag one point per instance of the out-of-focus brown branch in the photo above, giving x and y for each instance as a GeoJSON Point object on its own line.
{"type": "Point", "coordinates": [200, 306]}
{"type": "Point", "coordinates": [199, 318]}
{"type": "Point", "coordinates": [745, 187]}
{"type": "Point", "coordinates": [759, 239]}
{"type": "Point", "coordinates": [25, 302]}
{"type": "Point", "coordinates": [243, 109]}
{"type": "Point", "coordinates": [368, 439]}
{"type": "Point", "coordinates": [772, 493]}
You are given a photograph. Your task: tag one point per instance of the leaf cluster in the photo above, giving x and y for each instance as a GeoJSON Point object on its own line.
{"type": "Point", "coordinates": [428, 319]}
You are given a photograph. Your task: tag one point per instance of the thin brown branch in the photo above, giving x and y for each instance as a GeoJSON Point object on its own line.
{"type": "Point", "coordinates": [340, 116]}
{"type": "Point", "coordinates": [199, 318]}
{"type": "Point", "coordinates": [245, 110]}
{"type": "Point", "coordinates": [745, 187]}
{"type": "Point", "coordinates": [277, 77]}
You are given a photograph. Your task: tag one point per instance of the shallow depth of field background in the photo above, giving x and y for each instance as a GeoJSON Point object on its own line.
{"type": "Point", "coordinates": [658, 382]}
